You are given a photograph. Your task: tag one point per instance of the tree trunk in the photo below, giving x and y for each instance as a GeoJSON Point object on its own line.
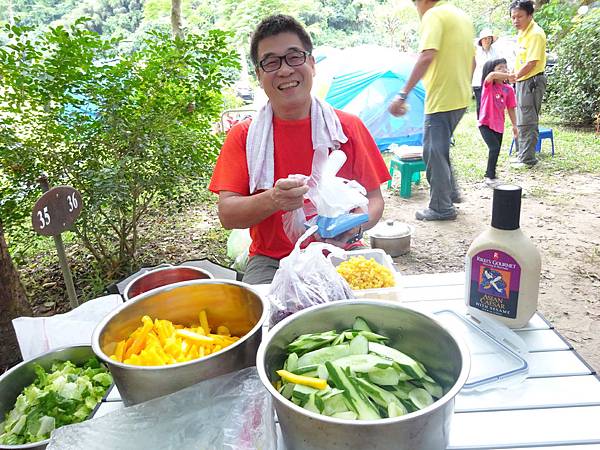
{"type": "Point", "coordinates": [13, 303]}
{"type": "Point", "coordinates": [176, 21]}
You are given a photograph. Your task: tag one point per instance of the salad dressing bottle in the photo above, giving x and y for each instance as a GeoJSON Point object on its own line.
{"type": "Point", "coordinates": [503, 266]}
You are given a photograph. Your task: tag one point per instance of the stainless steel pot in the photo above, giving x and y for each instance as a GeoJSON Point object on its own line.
{"type": "Point", "coordinates": [421, 336]}
{"type": "Point", "coordinates": [233, 304]}
{"type": "Point", "coordinates": [22, 375]}
{"type": "Point", "coordinates": [392, 237]}
{"type": "Point", "coordinates": [161, 277]}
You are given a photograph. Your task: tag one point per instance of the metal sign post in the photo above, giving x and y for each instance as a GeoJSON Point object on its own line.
{"type": "Point", "coordinates": [53, 213]}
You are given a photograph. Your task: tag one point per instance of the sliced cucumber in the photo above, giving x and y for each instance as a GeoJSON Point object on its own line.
{"type": "Point", "coordinates": [306, 369]}
{"type": "Point", "coordinates": [311, 405]}
{"type": "Point", "coordinates": [409, 365]}
{"type": "Point", "coordinates": [384, 377]}
{"type": "Point", "coordinates": [347, 415]}
{"type": "Point", "coordinates": [322, 372]}
{"type": "Point", "coordinates": [334, 404]}
{"type": "Point", "coordinates": [356, 401]}
{"type": "Point", "coordinates": [434, 389]}
{"type": "Point", "coordinates": [287, 389]}
{"type": "Point", "coordinates": [396, 409]}
{"type": "Point", "coordinates": [359, 345]}
{"type": "Point", "coordinates": [420, 397]}
{"type": "Point", "coordinates": [324, 354]}
{"type": "Point", "coordinates": [291, 363]}
{"type": "Point", "coordinates": [380, 396]}
{"type": "Point", "coordinates": [301, 392]}
{"type": "Point", "coordinates": [360, 324]}
{"type": "Point", "coordinates": [363, 363]}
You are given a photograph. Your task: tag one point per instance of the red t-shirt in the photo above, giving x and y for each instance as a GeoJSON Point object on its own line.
{"type": "Point", "coordinates": [293, 153]}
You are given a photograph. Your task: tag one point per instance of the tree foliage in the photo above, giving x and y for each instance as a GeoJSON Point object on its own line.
{"type": "Point", "coordinates": [128, 130]}
{"type": "Point", "coordinates": [574, 87]}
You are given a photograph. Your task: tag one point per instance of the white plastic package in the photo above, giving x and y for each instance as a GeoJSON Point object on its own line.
{"type": "Point", "coordinates": [230, 412]}
{"type": "Point", "coordinates": [37, 335]}
{"type": "Point", "coordinates": [330, 196]}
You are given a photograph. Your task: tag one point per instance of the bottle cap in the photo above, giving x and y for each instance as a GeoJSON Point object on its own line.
{"type": "Point", "coordinates": [506, 207]}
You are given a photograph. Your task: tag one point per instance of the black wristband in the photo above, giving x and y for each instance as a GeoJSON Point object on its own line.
{"type": "Point", "coordinates": [402, 95]}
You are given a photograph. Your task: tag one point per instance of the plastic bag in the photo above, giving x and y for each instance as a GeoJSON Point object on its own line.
{"type": "Point", "coordinates": [306, 278]}
{"type": "Point", "coordinates": [332, 198]}
{"type": "Point", "coordinates": [37, 335]}
{"type": "Point", "coordinates": [231, 412]}
{"type": "Point", "coordinates": [238, 242]}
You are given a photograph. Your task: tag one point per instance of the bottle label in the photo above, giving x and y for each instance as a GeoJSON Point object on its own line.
{"type": "Point", "coordinates": [495, 281]}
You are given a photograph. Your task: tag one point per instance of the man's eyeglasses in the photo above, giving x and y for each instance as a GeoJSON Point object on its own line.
{"type": "Point", "coordinates": [292, 59]}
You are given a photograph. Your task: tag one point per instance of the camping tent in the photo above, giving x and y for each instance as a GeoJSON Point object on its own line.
{"type": "Point", "coordinates": [363, 81]}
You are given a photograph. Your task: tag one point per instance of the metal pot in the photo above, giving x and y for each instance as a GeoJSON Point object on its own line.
{"type": "Point", "coordinates": [392, 237]}
{"type": "Point", "coordinates": [231, 303]}
{"type": "Point", "coordinates": [22, 375]}
{"type": "Point", "coordinates": [421, 336]}
{"type": "Point", "coordinates": [161, 277]}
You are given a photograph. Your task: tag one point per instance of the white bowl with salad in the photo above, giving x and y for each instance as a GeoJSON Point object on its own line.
{"type": "Point", "coordinates": [60, 387]}
{"type": "Point", "coordinates": [363, 374]}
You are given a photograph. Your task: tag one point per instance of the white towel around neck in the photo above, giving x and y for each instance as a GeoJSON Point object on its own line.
{"type": "Point", "coordinates": [326, 132]}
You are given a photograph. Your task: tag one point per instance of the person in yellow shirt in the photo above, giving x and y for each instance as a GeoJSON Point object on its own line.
{"type": "Point", "coordinates": [530, 80]}
{"type": "Point", "coordinates": [446, 62]}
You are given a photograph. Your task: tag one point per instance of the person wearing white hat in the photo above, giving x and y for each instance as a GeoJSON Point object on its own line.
{"type": "Point", "coordinates": [485, 52]}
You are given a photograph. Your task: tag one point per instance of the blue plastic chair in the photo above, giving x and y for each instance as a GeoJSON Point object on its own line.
{"type": "Point", "coordinates": [544, 133]}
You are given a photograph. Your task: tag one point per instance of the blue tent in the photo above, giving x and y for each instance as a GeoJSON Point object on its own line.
{"type": "Point", "coordinates": [363, 81]}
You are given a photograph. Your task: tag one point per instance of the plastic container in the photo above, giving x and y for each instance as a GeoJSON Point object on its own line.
{"type": "Point", "coordinates": [495, 351]}
{"type": "Point", "coordinates": [381, 257]}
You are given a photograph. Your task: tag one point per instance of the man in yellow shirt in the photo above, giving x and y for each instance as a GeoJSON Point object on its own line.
{"type": "Point", "coordinates": [446, 62]}
{"type": "Point", "coordinates": [530, 80]}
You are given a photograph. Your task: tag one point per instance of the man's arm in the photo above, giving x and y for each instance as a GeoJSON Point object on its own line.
{"type": "Point", "coordinates": [240, 211]}
{"type": "Point", "coordinates": [426, 57]}
{"type": "Point", "coordinates": [523, 71]}
{"type": "Point", "coordinates": [376, 205]}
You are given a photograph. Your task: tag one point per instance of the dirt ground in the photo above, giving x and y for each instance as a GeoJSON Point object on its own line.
{"type": "Point", "coordinates": [562, 217]}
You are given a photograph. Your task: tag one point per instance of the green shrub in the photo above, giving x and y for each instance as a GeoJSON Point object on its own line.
{"type": "Point", "coordinates": [131, 131]}
{"type": "Point", "coordinates": [574, 85]}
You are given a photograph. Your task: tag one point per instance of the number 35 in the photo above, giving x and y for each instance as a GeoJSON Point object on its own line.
{"type": "Point", "coordinates": [44, 217]}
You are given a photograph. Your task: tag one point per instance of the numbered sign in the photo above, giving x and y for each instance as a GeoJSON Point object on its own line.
{"type": "Point", "coordinates": [56, 210]}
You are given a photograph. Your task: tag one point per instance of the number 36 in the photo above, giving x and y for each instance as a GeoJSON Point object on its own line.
{"type": "Point", "coordinates": [72, 201]}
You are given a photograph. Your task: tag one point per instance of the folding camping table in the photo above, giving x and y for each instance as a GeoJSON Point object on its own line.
{"type": "Point", "coordinates": [557, 407]}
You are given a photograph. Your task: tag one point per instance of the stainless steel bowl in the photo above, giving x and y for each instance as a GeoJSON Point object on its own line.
{"type": "Point", "coordinates": [423, 337]}
{"type": "Point", "coordinates": [22, 375]}
{"type": "Point", "coordinates": [161, 277]}
{"type": "Point", "coordinates": [233, 304]}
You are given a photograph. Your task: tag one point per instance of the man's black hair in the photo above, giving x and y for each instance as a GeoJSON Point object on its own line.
{"type": "Point", "coordinates": [489, 66]}
{"type": "Point", "coordinates": [276, 24]}
{"type": "Point", "coordinates": [525, 5]}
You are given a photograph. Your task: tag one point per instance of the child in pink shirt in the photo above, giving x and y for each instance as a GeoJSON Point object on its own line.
{"type": "Point", "coordinates": [496, 96]}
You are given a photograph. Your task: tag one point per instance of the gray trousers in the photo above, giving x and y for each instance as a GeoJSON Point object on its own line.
{"type": "Point", "coordinates": [529, 104]}
{"type": "Point", "coordinates": [260, 270]}
{"type": "Point", "coordinates": [438, 129]}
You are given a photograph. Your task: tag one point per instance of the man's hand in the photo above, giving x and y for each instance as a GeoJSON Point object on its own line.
{"type": "Point", "coordinates": [288, 193]}
{"type": "Point", "coordinates": [512, 78]}
{"type": "Point", "coordinates": [398, 107]}
{"type": "Point", "coordinates": [515, 131]}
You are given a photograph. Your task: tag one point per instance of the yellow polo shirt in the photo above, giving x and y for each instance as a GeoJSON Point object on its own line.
{"type": "Point", "coordinates": [531, 46]}
{"type": "Point", "coordinates": [448, 30]}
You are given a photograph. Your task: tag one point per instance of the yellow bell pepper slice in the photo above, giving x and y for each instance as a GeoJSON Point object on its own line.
{"type": "Point", "coordinates": [290, 377]}
{"type": "Point", "coordinates": [194, 337]}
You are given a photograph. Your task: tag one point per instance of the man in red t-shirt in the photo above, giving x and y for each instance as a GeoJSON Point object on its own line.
{"type": "Point", "coordinates": [281, 52]}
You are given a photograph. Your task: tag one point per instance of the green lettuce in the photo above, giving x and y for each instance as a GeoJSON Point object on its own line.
{"type": "Point", "coordinates": [64, 395]}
